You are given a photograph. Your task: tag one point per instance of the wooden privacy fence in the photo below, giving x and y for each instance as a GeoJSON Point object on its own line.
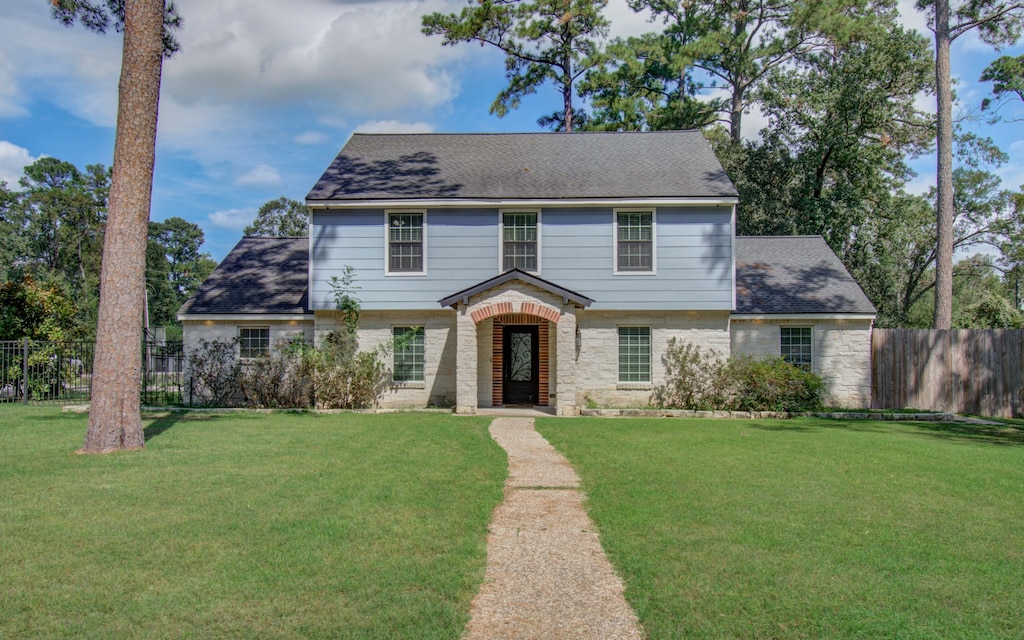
{"type": "Point", "coordinates": [972, 371]}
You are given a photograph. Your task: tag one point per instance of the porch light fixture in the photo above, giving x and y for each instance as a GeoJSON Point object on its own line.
{"type": "Point", "coordinates": [579, 339]}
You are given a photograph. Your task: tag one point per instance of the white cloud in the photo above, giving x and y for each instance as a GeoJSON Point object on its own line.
{"type": "Point", "coordinates": [311, 137]}
{"type": "Point", "coordinates": [11, 98]}
{"type": "Point", "coordinates": [262, 175]}
{"type": "Point", "coordinates": [232, 219]}
{"type": "Point", "coordinates": [625, 22]}
{"type": "Point", "coordinates": [341, 55]}
{"type": "Point", "coordinates": [393, 126]}
{"type": "Point", "coordinates": [13, 160]}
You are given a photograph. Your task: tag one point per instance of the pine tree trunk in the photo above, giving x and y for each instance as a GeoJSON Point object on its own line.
{"type": "Point", "coordinates": [114, 419]}
{"type": "Point", "coordinates": [943, 318]}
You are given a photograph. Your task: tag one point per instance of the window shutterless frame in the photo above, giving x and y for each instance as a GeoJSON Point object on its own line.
{"type": "Point", "coordinates": [634, 239]}
{"type": "Point", "coordinates": [409, 346]}
{"type": "Point", "coordinates": [253, 342]}
{"type": "Point", "coordinates": [634, 354]}
{"type": "Point", "coordinates": [796, 346]}
{"type": "Point", "coordinates": [405, 242]}
{"type": "Point", "coordinates": [519, 240]}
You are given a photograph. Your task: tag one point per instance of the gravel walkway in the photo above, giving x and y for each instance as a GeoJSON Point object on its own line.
{"type": "Point", "coordinates": [547, 576]}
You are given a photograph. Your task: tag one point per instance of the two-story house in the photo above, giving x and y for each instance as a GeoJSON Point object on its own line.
{"type": "Point", "coordinates": [541, 269]}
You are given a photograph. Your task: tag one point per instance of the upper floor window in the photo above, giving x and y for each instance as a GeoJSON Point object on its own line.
{"type": "Point", "coordinates": [253, 342]}
{"type": "Point", "coordinates": [519, 242]}
{"type": "Point", "coordinates": [634, 241]}
{"type": "Point", "coordinates": [795, 346]}
{"type": "Point", "coordinates": [405, 242]}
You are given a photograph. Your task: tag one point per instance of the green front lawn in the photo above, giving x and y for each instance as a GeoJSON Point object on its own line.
{"type": "Point", "coordinates": [245, 526]}
{"type": "Point", "coordinates": [808, 528]}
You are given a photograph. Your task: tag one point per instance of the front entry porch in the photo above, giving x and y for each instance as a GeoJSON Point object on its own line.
{"type": "Point", "coordinates": [516, 344]}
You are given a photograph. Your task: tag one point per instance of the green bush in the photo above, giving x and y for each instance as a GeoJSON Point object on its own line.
{"type": "Point", "coordinates": [772, 384]}
{"type": "Point", "coordinates": [700, 380]}
{"type": "Point", "coordinates": [213, 372]}
{"type": "Point", "coordinates": [694, 378]}
{"type": "Point", "coordinates": [281, 380]}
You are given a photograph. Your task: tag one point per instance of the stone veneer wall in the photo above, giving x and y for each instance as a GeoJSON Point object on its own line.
{"type": "Point", "coordinates": [194, 330]}
{"type": "Point", "coordinates": [841, 353]}
{"type": "Point", "coordinates": [375, 329]}
{"type": "Point", "coordinates": [477, 320]}
{"type": "Point", "coordinates": [597, 366]}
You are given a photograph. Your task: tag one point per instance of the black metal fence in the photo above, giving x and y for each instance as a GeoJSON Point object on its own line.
{"type": "Point", "coordinates": [61, 372]}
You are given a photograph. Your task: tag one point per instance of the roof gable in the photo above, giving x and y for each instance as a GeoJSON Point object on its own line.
{"type": "Point", "coordinates": [258, 276]}
{"type": "Point", "coordinates": [593, 165]}
{"type": "Point", "coordinates": [794, 275]}
{"type": "Point", "coordinates": [522, 276]}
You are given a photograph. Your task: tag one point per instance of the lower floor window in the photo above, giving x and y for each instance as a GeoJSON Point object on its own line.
{"type": "Point", "coordinates": [634, 354]}
{"type": "Point", "coordinates": [795, 346]}
{"type": "Point", "coordinates": [253, 342]}
{"type": "Point", "coordinates": [409, 352]}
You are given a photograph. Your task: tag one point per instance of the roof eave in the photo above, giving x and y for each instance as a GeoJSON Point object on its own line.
{"type": "Point", "coordinates": [519, 202]}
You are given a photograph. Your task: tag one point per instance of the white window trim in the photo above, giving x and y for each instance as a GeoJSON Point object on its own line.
{"type": "Point", "coordinates": [238, 333]}
{"type": "Point", "coordinates": [623, 384]}
{"type": "Point", "coordinates": [654, 241]}
{"type": "Point", "coordinates": [409, 384]}
{"type": "Point", "coordinates": [387, 243]}
{"type": "Point", "coordinates": [501, 238]}
{"type": "Point", "coordinates": [814, 358]}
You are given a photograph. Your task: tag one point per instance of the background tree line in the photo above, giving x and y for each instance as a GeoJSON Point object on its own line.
{"type": "Point", "coordinates": [838, 82]}
{"type": "Point", "coordinates": [51, 237]}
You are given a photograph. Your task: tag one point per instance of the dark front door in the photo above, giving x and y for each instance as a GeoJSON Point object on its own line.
{"type": "Point", "coordinates": [519, 353]}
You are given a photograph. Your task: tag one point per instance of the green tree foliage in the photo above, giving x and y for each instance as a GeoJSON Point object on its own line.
{"type": "Point", "coordinates": [36, 311]}
{"type": "Point", "coordinates": [101, 15]}
{"type": "Point", "coordinates": [278, 218]}
{"type": "Point", "coordinates": [51, 231]}
{"type": "Point", "coordinates": [737, 43]}
{"type": "Point", "coordinates": [1006, 74]}
{"type": "Point", "coordinates": [543, 41]}
{"type": "Point", "coordinates": [181, 242]}
{"type": "Point", "coordinates": [894, 257]}
{"type": "Point", "coordinates": [646, 84]}
{"type": "Point", "coordinates": [841, 123]}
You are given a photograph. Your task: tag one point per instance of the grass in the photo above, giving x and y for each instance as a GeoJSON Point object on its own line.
{"type": "Point", "coordinates": [808, 528]}
{"type": "Point", "coordinates": [245, 526]}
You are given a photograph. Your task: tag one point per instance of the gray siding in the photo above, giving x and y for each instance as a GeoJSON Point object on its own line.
{"type": "Point", "coordinates": [693, 268]}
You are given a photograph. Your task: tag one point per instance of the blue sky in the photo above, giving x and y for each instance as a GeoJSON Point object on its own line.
{"type": "Point", "coordinates": [264, 93]}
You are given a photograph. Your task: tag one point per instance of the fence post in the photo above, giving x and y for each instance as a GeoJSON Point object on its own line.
{"type": "Point", "coordinates": [24, 372]}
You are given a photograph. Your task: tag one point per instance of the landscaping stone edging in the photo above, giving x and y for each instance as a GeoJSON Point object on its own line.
{"type": "Point", "coordinates": [762, 415]}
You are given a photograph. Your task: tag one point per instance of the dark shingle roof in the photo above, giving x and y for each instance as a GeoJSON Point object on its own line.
{"type": "Point", "coordinates": [794, 274]}
{"type": "Point", "coordinates": [260, 275]}
{"type": "Point", "coordinates": [661, 164]}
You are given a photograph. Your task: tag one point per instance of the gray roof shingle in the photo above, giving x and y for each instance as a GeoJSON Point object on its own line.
{"type": "Point", "coordinates": [260, 275]}
{"type": "Point", "coordinates": [794, 274]}
{"type": "Point", "coordinates": [658, 164]}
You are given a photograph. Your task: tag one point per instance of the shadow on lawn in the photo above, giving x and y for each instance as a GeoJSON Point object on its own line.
{"type": "Point", "coordinates": [1004, 435]}
{"type": "Point", "coordinates": [163, 422]}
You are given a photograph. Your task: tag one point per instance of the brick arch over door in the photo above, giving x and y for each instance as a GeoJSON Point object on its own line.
{"type": "Point", "coordinates": [497, 355]}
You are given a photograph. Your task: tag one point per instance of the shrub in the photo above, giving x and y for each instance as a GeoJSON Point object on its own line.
{"type": "Point", "coordinates": [694, 378]}
{"type": "Point", "coordinates": [281, 380]}
{"type": "Point", "coordinates": [772, 384]}
{"type": "Point", "coordinates": [699, 379]}
{"type": "Point", "coordinates": [346, 380]}
{"type": "Point", "coordinates": [213, 372]}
